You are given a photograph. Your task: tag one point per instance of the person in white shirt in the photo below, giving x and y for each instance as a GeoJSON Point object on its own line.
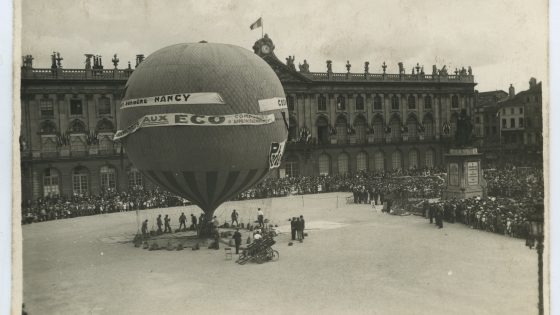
{"type": "Point", "coordinates": [260, 217]}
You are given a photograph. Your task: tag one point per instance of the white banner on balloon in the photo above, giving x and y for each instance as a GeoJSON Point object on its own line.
{"type": "Point", "coordinates": [183, 119]}
{"type": "Point", "coordinates": [274, 103]}
{"type": "Point", "coordinates": [175, 99]}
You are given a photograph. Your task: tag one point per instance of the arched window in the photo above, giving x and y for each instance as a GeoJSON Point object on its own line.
{"type": "Point", "coordinates": [321, 103]}
{"type": "Point", "coordinates": [341, 129]}
{"type": "Point", "coordinates": [455, 101]}
{"type": "Point", "coordinates": [324, 164]}
{"type": "Point", "coordinates": [108, 176]}
{"type": "Point", "coordinates": [77, 126]}
{"type": "Point", "coordinates": [360, 128]}
{"type": "Point", "coordinates": [361, 162]}
{"type": "Point", "coordinates": [80, 178]}
{"type": "Point", "coordinates": [51, 181]}
{"type": "Point", "coordinates": [291, 102]}
{"type": "Point", "coordinates": [359, 103]}
{"type": "Point", "coordinates": [106, 145]}
{"type": "Point", "coordinates": [340, 103]}
{"type": "Point", "coordinates": [396, 160]}
{"type": "Point", "coordinates": [322, 130]}
{"type": "Point", "coordinates": [105, 125]}
{"type": "Point", "coordinates": [428, 124]}
{"type": "Point", "coordinates": [48, 146]}
{"type": "Point", "coordinates": [395, 125]}
{"type": "Point", "coordinates": [411, 102]}
{"type": "Point", "coordinates": [342, 163]}
{"type": "Point", "coordinates": [293, 130]}
{"type": "Point", "coordinates": [413, 159]}
{"type": "Point", "coordinates": [428, 102]}
{"type": "Point", "coordinates": [412, 125]}
{"type": "Point", "coordinates": [134, 178]}
{"type": "Point", "coordinates": [47, 127]}
{"type": "Point", "coordinates": [453, 124]}
{"type": "Point", "coordinates": [377, 103]}
{"type": "Point", "coordinates": [378, 131]}
{"type": "Point", "coordinates": [77, 145]}
{"type": "Point", "coordinates": [104, 106]}
{"type": "Point", "coordinates": [395, 104]}
{"type": "Point", "coordinates": [292, 166]}
{"type": "Point", "coordinates": [379, 161]}
{"type": "Point", "coordinates": [429, 159]}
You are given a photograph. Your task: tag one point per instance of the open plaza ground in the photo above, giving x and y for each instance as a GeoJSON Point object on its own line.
{"type": "Point", "coordinates": [355, 260]}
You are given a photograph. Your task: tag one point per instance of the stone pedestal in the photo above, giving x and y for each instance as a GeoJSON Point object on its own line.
{"type": "Point", "coordinates": [464, 174]}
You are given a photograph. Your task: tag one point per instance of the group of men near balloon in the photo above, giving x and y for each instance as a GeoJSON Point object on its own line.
{"type": "Point", "coordinates": [297, 227]}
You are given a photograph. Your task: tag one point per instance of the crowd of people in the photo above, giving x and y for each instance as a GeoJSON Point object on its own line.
{"type": "Point", "coordinates": [512, 190]}
{"type": "Point", "coordinates": [518, 182]}
{"type": "Point", "coordinates": [62, 207]}
{"type": "Point", "coordinates": [420, 183]}
{"type": "Point", "coordinates": [504, 216]}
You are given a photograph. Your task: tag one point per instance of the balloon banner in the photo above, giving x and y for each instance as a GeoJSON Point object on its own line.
{"type": "Point", "coordinates": [183, 119]}
{"type": "Point", "coordinates": [174, 99]}
{"type": "Point", "coordinates": [275, 103]}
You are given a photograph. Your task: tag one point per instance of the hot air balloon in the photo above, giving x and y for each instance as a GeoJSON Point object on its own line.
{"type": "Point", "coordinates": [205, 121]}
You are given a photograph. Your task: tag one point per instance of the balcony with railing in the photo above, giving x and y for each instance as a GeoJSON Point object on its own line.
{"type": "Point", "coordinates": [359, 77]}
{"type": "Point", "coordinates": [75, 74]}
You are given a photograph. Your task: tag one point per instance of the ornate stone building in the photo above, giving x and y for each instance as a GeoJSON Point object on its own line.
{"type": "Point", "coordinates": [353, 121]}
{"type": "Point", "coordinates": [339, 122]}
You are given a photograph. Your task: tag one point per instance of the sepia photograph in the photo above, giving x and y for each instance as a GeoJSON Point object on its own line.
{"type": "Point", "coordinates": [281, 157]}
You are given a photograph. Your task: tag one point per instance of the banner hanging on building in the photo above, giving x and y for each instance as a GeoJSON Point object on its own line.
{"type": "Point", "coordinates": [184, 119]}
{"type": "Point", "coordinates": [276, 152]}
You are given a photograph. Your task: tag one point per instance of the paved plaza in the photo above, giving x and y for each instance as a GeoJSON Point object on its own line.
{"type": "Point", "coordinates": [356, 260]}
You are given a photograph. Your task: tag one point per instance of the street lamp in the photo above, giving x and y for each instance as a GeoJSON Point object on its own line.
{"type": "Point", "coordinates": [536, 232]}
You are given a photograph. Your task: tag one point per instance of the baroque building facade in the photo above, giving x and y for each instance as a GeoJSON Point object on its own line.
{"type": "Point", "coordinates": [339, 122]}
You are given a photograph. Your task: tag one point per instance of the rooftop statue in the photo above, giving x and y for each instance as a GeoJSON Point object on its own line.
{"type": "Point", "coordinates": [366, 67]}
{"type": "Point", "coordinates": [304, 67]}
{"type": "Point", "coordinates": [463, 135]}
{"type": "Point", "coordinates": [329, 66]}
{"type": "Point", "coordinates": [470, 70]}
{"type": "Point", "coordinates": [401, 68]}
{"type": "Point", "coordinates": [348, 66]}
{"type": "Point", "coordinates": [434, 70]}
{"type": "Point", "coordinates": [290, 62]}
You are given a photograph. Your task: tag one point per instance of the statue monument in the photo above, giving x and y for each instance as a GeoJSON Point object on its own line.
{"type": "Point", "coordinates": [463, 162]}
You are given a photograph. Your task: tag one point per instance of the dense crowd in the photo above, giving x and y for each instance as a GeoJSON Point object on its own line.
{"type": "Point", "coordinates": [517, 182]}
{"type": "Point", "coordinates": [61, 207]}
{"type": "Point", "coordinates": [504, 216]}
{"type": "Point", "coordinates": [516, 190]}
{"type": "Point", "coordinates": [421, 183]}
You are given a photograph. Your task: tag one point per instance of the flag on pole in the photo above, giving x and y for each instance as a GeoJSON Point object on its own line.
{"type": "Point", "coordinates": [257, 24]}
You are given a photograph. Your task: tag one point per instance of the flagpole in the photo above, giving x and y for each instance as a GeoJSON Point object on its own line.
{"type": "Point", "coordinates": [262, 27]}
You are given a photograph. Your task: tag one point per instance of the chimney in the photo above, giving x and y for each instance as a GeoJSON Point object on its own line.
{"type": "Point", "coordinates": [532, 83]}
{"type": "Point", "coordinates": [511, 91]}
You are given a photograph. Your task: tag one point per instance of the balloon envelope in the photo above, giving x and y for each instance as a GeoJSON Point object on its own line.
{"type": "Point", "coordinates": [205, 121]}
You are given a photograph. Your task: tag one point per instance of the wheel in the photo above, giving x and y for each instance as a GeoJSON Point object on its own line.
{"type": "Point", "coordinates": [275, 255]}
{"type": "Point", "coordinates": [260, 258]}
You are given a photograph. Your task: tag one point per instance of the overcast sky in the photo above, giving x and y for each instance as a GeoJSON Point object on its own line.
{"type": "Point", "coordinates": [504, 41]}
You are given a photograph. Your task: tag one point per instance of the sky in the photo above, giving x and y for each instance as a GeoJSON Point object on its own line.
{"type": "Point", "coordinates": [504, 41]}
